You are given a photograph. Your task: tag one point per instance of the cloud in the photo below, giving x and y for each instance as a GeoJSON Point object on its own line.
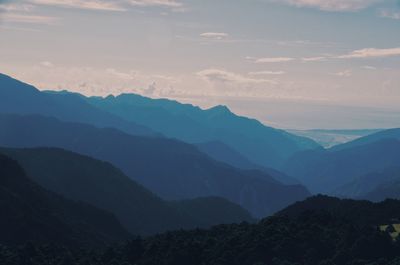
{"type": "Point", "coordinates": [390, 14]}
{"type": "Point", "coordinates": [223, 76]}
{"type": "Point", "coordinates": [345, 73]}
{"type": "Point", "coordinates": [83, 4]}
{"type": "Point", "coordinates": [368, 67]}
{"type": "Point", "coordinates": [109, 5]}
{"type": "Point", "coordinates": [214, 35]}
{"type": "Point", "coordinates": [267, 73]}
{"type": "Point", "coordinates": [47, 64]}
{"type": "Point", "coordinates": [161, 3]}
{"type": "Point", "coordinates": [30, 19]}
{"type": "Point", "coordinates": [371, 53]}
{"type": "Point", "coordinates": [274, 60]}
{"type": "Point", "coordinates": [313, 59]}
{"type": "Point", "coordinates": [332, 5]}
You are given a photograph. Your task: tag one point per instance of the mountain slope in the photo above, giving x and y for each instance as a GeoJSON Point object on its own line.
{"type": "Point", "coordinates": [30, 213]}
{"type": "Point", "coordinates": [98, 183]}
{"type": "Point", "coordinates": [260, 144]}
{"type": "Point", "coordinates": [20, 98]}
{"type": "Point", "coordinates": [327, 170]}
{"type": "Point", "coordinates": [172, 169]}
{"type": "Point", "coordinates": [381, 135]}
{"type": "Point", "coordinates": [359, 187]}
{"type": "Point", "coordinates": [223, 153]}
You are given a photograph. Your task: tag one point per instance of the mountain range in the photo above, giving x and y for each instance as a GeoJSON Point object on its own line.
{"type": "Point", "coordinates": [171, 169]}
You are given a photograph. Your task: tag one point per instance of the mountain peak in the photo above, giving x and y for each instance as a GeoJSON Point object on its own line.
{"type": "Point", "coordinates": [220, 109]}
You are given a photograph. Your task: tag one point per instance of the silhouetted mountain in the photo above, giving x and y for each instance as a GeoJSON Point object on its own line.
{"type": "Point", "coordinates": [327, 170]}
{"type": "Point", "coordinates": [213, 210]}
{"type": "Point", "coordinates": [223, 153]}
{"type": "Point", "coordinates": [357, 212]}
{"type": "Point", "coordinates": [361, 186]}
{"type": "Point", "coordinates": [81, 178]}
{"type": "Point", "coordinates": [385, 134]}
{"type": "Point", "coordinates": [20, 98]}
{"type": "Point", "coordinates": [260, 144]}
{"type": "Point", "coordinates": [30, 213]}
{"type": "Point", "coordinates": [313, 234]}
{"type": "Point", "coordinates": [385, 190]}
{"type": "Point", "coordinates": [172, 169]}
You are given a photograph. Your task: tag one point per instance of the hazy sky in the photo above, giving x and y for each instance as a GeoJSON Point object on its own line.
{"type": "Point", "coordinates": [289, 63]}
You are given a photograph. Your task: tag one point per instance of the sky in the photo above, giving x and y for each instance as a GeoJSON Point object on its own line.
{"type": "Point", "coordinates": [299, 64]}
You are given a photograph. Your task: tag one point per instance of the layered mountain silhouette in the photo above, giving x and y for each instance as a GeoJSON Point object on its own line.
{"type": "Point", "coordinates": [171, 169]}
{"type": "Point", "coordinates": [223, 153]}
{"type": "Point", "coordinates": [327, 170]}
{"type": "Point", "coordinates": [376, 183]}
{"type": "Point", "coordinates": [20, 98]}
{"type": "Point", "coordinates": [81, 178]}
{"type": "Point", "coordinates": [259, 144]}
{"type": "Point", "coordinates": [31, 213]}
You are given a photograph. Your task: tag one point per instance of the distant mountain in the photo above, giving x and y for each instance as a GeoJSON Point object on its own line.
{"type": "Point", "coordinates": [98, 183]}
{"type": "Point", "coordinates": [260, 144]}
{"type": "Point", "coordinates": [172, 169]}
{"type": "Point", "coordinates": [324, 171]}
{"type": "Point", "coordinates": [330, 138]}
{"type": "Point", "coordinates": [211, 211]}
{"type": "Point", "coordinates": [20, 98]}
{"type": "Point", "coordinates": [371, 182]}
{"type": "Point", "coordinates": [31, 213]}
{"type": "Point", "coordinates": [388, 189]}
{"type": "Point", "coordinates": [223, 153]}
{"type": "Point", "coordinates": [385, 134]}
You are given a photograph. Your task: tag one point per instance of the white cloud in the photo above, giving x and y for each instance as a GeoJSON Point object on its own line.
{"type": "Point", "coordinates": [162, 3]}
{"type": "Point", "coordinates": [345, 73]}
{"type": "Point", "coordinates": [332, 5]}
{"type": "Point", "coordinates": [314, 59]}
{"type": "Point", "coordinates": [368, 67]}
{"type": "Point", "coordinates": [83, 4]}
{"type": "Point", "coordinates": [47, 64]}
{"type": "Point", "coordinates": [267, 73]}
{"type": "Point", "coordinates": [108, 5]}
{"type": "Point", "coordinates": [371, 53]}
{"type": "Point", "coordinates": [390, 14]}
{"type": "Point", "coordinates": [274, 60]}
{"type": "Point", "coordinates": [31, 19]}
{"type": "Point", "coordinates": [215, 35]}
{"type": "Point", "coordinates": [223, 76]}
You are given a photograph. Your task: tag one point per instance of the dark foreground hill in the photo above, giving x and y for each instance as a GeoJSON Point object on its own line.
{"type": "Point", "coordinates": [31, 213]}
{"type": "Point", "coordinates": [81, 178]}
{"type": "Point", "coordinates": [310, 236]}
{"type": "Point", "coordinates": [171, 169]}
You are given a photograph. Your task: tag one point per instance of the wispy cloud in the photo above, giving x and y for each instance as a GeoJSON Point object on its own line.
{"type": "Point", "coordinates": [314, 59]}
{"type": "Point", "coordinates": [371, 53]}
{"type": "Point", "coordinates": [214, 35]}
{"type": "Point", "coordinates": [274, 60]}
{"type": "Point", "coordinates": [267, 73]}
{"type": "Point", "coordinates": [390, 14]}
{"type": "Point", "coordinates": [332, 5]}
{"type": "Point", "coordinates": [164, 3]}
{"type": "Point", "coordinates": [345, 73]}
{"type": "Point", "coordinates": [30, 19]}
{"type": "Point", "coordinates": [83, 4]}
{"type": "Point", "coordinates": [219, 75]}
